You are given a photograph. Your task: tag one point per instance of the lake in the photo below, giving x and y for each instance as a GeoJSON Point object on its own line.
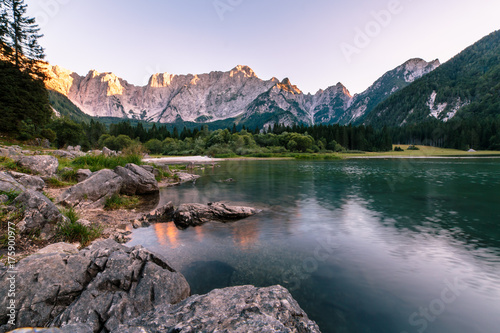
{"type": "Point", "coordinates": [363, 245]}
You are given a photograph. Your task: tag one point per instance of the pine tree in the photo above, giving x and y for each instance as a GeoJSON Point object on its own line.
{"type": "Point", "coordinates": [23, 33]}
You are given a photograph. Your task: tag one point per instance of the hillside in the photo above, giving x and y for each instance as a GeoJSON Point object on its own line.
{"type": "Point", "coordinates": [467, 85]}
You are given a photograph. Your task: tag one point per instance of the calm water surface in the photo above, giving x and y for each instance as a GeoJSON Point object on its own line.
{"type": "Point", "coordinates": [363, 245]}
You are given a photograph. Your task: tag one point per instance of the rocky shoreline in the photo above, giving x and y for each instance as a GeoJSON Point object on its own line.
{"type": "Point", "coordinates": [109, 287]}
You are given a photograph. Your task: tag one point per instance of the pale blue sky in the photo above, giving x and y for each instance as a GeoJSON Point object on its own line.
{"type": "Point", "coordinates": [306, 41]}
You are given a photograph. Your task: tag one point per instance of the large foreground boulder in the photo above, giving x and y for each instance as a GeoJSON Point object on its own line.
{"type": "Point", "coordinates": [136, 180]}
{"type": "Point", "coordinates": [101, 287]}
{"type": "Point", "coordinates": [236, 309]}
{"type": "Point", "coordinates": [188, 215]}
{"type": "Point", "coordinates": [93, 191]}
{"type": "Point", "coordinates": [39, 214]}
{"type": "Point", "coordinates": [44, 165]}
{"type": "Point", "coordinates": [9, 184]}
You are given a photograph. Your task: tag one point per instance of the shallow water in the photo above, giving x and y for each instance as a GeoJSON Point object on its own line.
{"type": "Point", "coordinates": [363, 245]}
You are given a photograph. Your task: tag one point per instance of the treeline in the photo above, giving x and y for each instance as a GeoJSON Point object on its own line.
{"type": "Point", "coordinates": [479, 133]}
{"type": "Point", "coordinates": [242, 141]}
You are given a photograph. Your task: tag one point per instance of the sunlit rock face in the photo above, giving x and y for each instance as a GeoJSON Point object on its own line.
{"type": "Point", "coordinates": [238, 93]}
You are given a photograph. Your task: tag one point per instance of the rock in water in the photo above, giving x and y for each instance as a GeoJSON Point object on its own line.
{"type": "Point", "coordinates": [236, 309]}
{"type": "Point", "coordinates": [136, 180]}
{"type": "Point", "coordinates": [102, 286]}
{"type": "Point", "coordinates": [94, 190]}
{"type": "Point", "coordinates": [188, 215]}
{"type": "Point", "coordinates": [44, 165]}
{"type": "Point", "coordinates": [204, 276]}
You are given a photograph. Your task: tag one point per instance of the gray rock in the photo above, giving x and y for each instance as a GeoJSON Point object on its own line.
{"type": "Point", "coordinates": [187, 215]}
{"type": "Point", "coordinates": [61, 247]}
{"type": "Point", "coordinates": [237, 309]}
{"type": "Point", "coordinates": [85, 223]}
{"type": "Point", "coordinates": [83, 174]}
{"type": "Point", "coordinates": [108, 152]}
{"type": "Point", "coordinates": [152, 169]}
{"type": "Point", "coordinates": [80, 328]}
{"type": "Point", "coordinates": [136, 180]}
{"type": "Point", "coordinates": [44, 165]}
{"type": "Point", "coordinates": [186, 177]}
{"type": "Point", "coordinates": [39, 214]}
{"type": "Point", "coordinates": [8, 183]}
{"type": "Point", "coordinates": [64, 154]}
{"type": "Point", "coordinates": [30, 182]}
{"type": "Point", "coordinates": [101, 287]}
{"type": "Point", "coordinates": [93, 191]}
{"type": "Point", "coordinates": [164, 213]}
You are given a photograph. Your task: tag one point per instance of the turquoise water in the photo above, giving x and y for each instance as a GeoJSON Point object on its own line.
{"type": "Point", "coordinates": [363, 245]}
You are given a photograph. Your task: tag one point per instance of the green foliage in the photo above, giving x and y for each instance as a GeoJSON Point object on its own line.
{"type": "Point", "coordinates": [68, 132]}
{"type": "Point", "coordinates": [117, 201]}
{"type": "Point", "coordinates": [9, 164]}
{"type": "Point", "coordinates": [99, 162]}
{"type": "Point", "coordinates": [12, 195]}
{"type": "Point", "coordinates": [56, 182]}
{"type": "Point", "coordinates": [413, 147]}
{"type": "Point", "coordinates": [66, 108]}
{"type": "Point", "coordinates": [398, 149]}
{"type": "Point", "coordinates": [71, 231]}
{"type": "Point", "coordinates": [24, 103]}
{"type": "Point", "coordinates": [69, 176]}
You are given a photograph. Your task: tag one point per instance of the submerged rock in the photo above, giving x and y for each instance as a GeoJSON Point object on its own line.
{"type": "Point", "coordinates": [204, 276]}
{"type": "Point", "coordinates": [236, 309]}
{"type": "Point", "coordinates": [102, 287]}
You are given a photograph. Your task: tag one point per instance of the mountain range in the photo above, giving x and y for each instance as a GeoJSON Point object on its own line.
{"type": "Point", "coordinates": [238, 96]}
{"type": "Point", "coordinates": [411, 93]}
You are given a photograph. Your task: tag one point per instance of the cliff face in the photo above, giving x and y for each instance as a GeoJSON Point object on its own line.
{"type": "Point", "coordinates": [238, 93]}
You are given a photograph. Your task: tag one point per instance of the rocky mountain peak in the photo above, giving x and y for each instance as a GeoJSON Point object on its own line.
{"type": "Point", "coordinates": [245, 70]}
{"type": "Point", "coordinates": [160, 80]}
{"type": "Point", "coordinates": [287, 86]}
{"type": "Point", "coordinates": [416, 68]}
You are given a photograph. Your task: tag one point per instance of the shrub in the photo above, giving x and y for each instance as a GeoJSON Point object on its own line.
{"type": "Point", "coordinates": [71, 231]}
{"type": "Point", "coordinates": [398, 149]}
{"type": "Point", "coordinates": [413, 147]}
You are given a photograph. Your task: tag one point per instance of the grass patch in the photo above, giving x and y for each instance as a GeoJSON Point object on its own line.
{"type": "Point", "coordinates": [11, 195]}
{"type": "Point", "coordinates": [69, 176]}
{"type": "Point", "coordinates": [99, 162]}
{"type": "Point", "coordinates": [9, 164]}
{"type": "Point", "coordinates": [71, 231]}
{"type": "Point", "coordinates": [57, 183]}
{"type": "Point", "coordinates": [121, 202]}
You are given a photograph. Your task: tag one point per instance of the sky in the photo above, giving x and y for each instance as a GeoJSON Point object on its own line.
{"type": "Point", "coordinates": [315, 43]}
